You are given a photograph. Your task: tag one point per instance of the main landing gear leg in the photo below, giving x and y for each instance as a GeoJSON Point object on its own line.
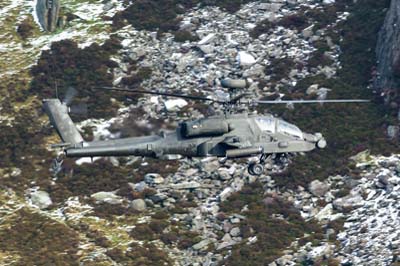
{"type": "Point", "coordinates": [258, 168]}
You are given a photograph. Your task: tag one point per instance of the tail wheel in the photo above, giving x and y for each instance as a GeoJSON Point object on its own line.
{"type": "Point", "coordinates": [256, 169]}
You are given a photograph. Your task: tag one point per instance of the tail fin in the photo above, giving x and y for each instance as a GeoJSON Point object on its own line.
{"type": "Point", "coordinates": [60, 119]}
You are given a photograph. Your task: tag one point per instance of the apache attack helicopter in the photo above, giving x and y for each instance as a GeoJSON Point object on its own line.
{"type": "Point", "coordinates": [231, 134]}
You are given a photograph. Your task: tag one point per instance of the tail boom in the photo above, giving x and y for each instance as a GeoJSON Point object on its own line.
{"type": "Point", "coordinates": [61, 121]}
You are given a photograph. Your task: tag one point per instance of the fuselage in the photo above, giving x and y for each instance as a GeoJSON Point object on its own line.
{"type": "Point", "coordinates": [229, 135]}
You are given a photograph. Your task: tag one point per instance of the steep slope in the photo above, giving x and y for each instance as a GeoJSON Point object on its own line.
{"type": "Point", "coordinates": [128, 211]}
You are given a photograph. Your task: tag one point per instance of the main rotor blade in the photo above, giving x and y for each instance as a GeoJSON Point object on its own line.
{"type": "Point", "coordinates": [191, 97]}
{"type": "Point", "coordinates": [311, 101]}
{"type": "Point", "coordinates": [70, 95]}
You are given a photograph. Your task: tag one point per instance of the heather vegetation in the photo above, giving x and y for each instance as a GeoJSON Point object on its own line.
{"type": "Point", "coordinates": [274, 221]}
{"type": "Point", "coordinates": [348, 128]}
{"type": "Point", "coordinates": [320, 18]}
{"type": "Point", "coordinates": [66, 65]}
{"type": "Point", "coordinates": [38, 240]}
{"type": "Point", "coordinates": [137, 255]}
{"type": "Point", "coordinates": [165, 15]}
{"type": "Point", "coordinates": [26, 28]}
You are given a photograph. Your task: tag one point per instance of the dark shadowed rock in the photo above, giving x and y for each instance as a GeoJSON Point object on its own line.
{"type": "Point", "coordinates": [388, 49]}
{"type": "Point", "coordinates": [47, 13]}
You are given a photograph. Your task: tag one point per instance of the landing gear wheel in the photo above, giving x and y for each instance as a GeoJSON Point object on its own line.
{"type": "Point", "coordinates": [256, 169]}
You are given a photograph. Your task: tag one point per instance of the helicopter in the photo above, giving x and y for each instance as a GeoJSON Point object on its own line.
{"type": "Point", "coordinates": [229, 135]}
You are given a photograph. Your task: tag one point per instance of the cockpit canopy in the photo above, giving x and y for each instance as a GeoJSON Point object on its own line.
{"type": "Point", "coordinates": [273, 125]}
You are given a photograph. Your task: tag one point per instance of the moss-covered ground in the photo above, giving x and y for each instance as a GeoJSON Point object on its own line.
{"type": "Point", "coordinates": [274, 221]}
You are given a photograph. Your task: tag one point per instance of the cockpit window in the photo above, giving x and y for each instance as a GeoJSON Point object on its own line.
{"type": "Point", "coordinates": [289, 129]}
{"type": "Point", "coordinates": [266, 124]}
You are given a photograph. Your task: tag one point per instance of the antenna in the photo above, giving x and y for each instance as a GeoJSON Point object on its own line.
{"type": "Point", "coordinates": [55, 83]}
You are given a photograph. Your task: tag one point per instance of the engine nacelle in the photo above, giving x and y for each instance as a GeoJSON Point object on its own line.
{"type": "Point", "coordinates": [205, 127]}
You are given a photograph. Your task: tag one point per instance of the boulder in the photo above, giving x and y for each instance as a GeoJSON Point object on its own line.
{"type": "Point", "coordinates": [138, 205]}
{"type": "Point", "coordinates": [152, 178]}
{"type": "Point", "coordinates": [383, 181]}
{"type": "Point", "coordinates": [235, 232]}
{"type": "Point", "coordinates": [107, 197]}
{"type": "Point", "coordinates": [208, 39]}
{"type": "Point", "coordinates": [318, 188]}
{"type": "Point", "coordinates": [201, 245]}
{"type": "Point", "coordinates": [352, 200]}
{"type": "Point", "coordinates": [174, 104]}
{"type": "Point", "coordinates": [313, 89]}
{"type": "Point", "coordinates": [41, 199]}
{"type": "Point", "coordinates": [393, 132]}
{"type": "Point", "coordinates": [245, 59]}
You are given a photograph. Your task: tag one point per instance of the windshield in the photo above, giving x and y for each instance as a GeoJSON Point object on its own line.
{"type": "Point", "coordinates": [289, 129]}
{"type": "Point", "coordinates": [266, 124]}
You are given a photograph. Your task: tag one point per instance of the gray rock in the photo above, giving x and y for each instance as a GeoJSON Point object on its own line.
{"type": "Point", "coordinates": [153, 178]}
{"type": "Point", "coordinates": [226, 193]}
{"type": "Point", "coordinates": [352, 200]}
{"type": "Point", "coordinates": [41, 199]}
{"type": "Point", "coordinates": [208, 39]}
{"type": "Point", "coordinates": [308, 32]}
{"type": "Point", "coordinates": [108, 6]}
{"type": "Point", "coordinates": [186, 185]}
{"type": "Point", "coordinates": [393, 132]}
{"type": "Point", "coordinates": [318, 188]}
{"type": "Point", "coordinates": [245, 59]}
{"type": "Point", "coordinates": [107, 197]}
{"type": "Point", "coordinates": [313, 89]}
{"type": "Point", "coordinates": [138, 205]}
{"type": "Point", "coordinates": [158, 198]}
{"type": "Point", "coordinates": [206, 49]}
{"type": "Point", "coordinates": [16, 172]}
{"type": "Point", "coordinates": [235, 220]}
{"type": "Point", "coordinates": [138, 186]}
{"type": "Point", "coordinates": [255, 71]}
{"type": "Point", "coordinates": [382, 182]}
{"type": "Point", "coordinates": [224, 175]}
{"type": "Point", "coordinates": [201, 245]}
{"type": "Point", "coordinates": [225, 245]}
{"type": "Point", "coordinates": [284, 260]}
{"type": "Point", "coordinates": [235, 232]}
{"type": "Point", "coordinates": [227, 241]}
{"type": "Point", "coordinates": [227, 226]}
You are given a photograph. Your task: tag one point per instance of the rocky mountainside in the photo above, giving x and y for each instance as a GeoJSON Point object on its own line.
{"type": "Point", "coordinates": [339, 206]}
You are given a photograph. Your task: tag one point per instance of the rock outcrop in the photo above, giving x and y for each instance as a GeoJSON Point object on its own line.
{"type": "Point", "coordinates": [388, 50]}
{"type": "Point", "coordinates": [48, 12]}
